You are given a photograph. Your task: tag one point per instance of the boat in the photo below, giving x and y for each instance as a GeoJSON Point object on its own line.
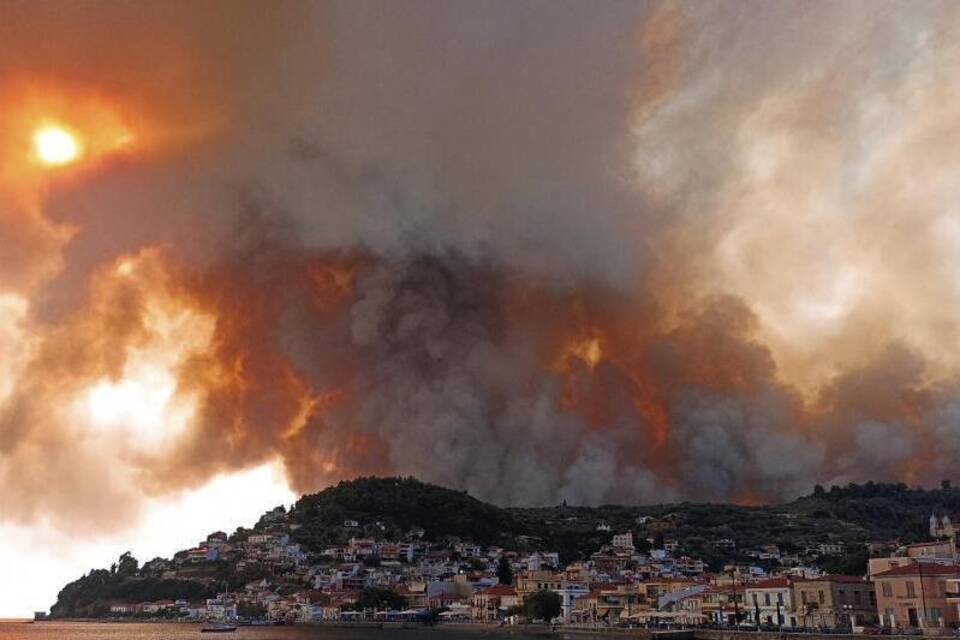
{"type": "Point", "coordinates": [220, 627]}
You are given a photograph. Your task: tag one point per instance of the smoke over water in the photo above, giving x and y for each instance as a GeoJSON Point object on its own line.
{"type": "Point", "coordinates": [533, 250]}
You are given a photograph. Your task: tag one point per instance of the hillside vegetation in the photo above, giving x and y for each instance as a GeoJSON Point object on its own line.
{"type": "Point", "coordinates": [405, 508]}
{"type": "Point", "coordinates": [400, 505]}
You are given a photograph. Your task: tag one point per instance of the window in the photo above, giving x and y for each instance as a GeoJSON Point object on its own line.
{"type": "Point", "coordinates": [755, 600]}
{"type": "Point", "coordinates": [820, 596]}
{"type": "Point", "coordinates": [803, 597]}
{"type": "Point", "coordinates": [856, 597]}
{"type": "Point", "coordinates": [780, 597]}
{"type": "Point", "coordinates": [766, 599]}
{"type": "Point", "coordinates": [887, 589]}
{"type": "Point", "coordinates": [873, 598]}
{"type": "Point", "coordinates": [911, 589]}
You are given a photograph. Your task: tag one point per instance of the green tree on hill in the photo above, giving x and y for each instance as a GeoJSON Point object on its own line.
{"type": "Point", "coordinates": [504, 571]}
{"type": "Point", "coordinates": [377, 598]}
{"type": "Point", "coordinates": [543, 605]}
{"type": "Point", "coordinates": [852, 563]}
{"type": "Point", "coordinates": [127, 565]}
{"type": "Point", "coordinates": [251, 610]}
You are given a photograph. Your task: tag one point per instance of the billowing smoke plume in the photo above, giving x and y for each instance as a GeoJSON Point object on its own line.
{"type": "Point", "coordinates": [537, 250]}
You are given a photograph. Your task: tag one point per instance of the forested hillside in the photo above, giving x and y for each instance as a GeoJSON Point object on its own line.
{"type": "Point", "coordinates": [407, 509]}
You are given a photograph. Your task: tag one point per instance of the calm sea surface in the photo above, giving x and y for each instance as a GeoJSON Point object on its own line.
{"type": "Point", "coordinates": [131, 631]}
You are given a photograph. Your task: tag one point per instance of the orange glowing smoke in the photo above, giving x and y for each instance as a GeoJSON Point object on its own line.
{"type": "Point", "coordinates": [255, 353]}
{"type": "Point", "coordinates": [47, 126]}
{"type": "Point", "coordinates": [140, 398]}
{"type": "Point", "coordinates": [586, 349]}
{"type": "Point", "coordinates": [313, 407]}
{"type": "Point", "coordinates": [332, 280]}
{"type": "Point", "coordinates": [590, 393]}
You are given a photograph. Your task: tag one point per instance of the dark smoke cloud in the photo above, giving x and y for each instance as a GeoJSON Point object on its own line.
{"type": "Point", "coordinates": [537, 250]}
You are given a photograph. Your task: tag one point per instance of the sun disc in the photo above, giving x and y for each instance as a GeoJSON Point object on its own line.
{"type": "Point", "coordinates": [55, 146]}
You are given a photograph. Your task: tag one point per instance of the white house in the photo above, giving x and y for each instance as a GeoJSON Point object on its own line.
{"type": "Point", "coordinates": [769, 601]}
{"type": "Point", "coordinates": [158, 606]}
{"type": "Point", "coordinates": [221, 609]}
{"type": "Point", "coordinates": [623, 541]}
{"type": "Point", "coordinates": [569, 593]}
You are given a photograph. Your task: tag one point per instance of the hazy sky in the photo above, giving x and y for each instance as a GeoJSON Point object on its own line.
{"type": "Point", "coordinates": [616, 251]}
{"type": "Point", "coordinates": [39, 559]}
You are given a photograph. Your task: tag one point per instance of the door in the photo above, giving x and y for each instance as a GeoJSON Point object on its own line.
{"type": "Point", "coordinates": [912, 617]}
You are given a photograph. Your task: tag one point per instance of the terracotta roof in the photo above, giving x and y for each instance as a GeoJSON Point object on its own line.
{"type": "Point", "coordinates": [928, 569]}
{"type": "Point", "coordinates": [833, 578]}
{"type": "Point", "coordinates": [772, 583]}
{"type": "Point", "coordinates": [609, 586]}
{"type": "Point", "coordinates": [500, 590]}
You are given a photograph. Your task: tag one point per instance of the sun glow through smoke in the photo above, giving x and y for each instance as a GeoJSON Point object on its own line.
{"type": "Point", "coordinates": [56, 146]}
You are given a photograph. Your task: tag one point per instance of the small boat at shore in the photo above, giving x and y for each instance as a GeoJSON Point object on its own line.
{"type": "Point", "coordinates": [218, 628]}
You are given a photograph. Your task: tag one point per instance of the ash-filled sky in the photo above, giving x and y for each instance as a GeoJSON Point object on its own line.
{"type": "Point", "coordinates": [541, 251]}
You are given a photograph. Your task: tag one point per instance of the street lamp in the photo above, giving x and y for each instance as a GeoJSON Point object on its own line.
{"type": "Point", "coordinates": [848, 612]}
{"type": "Point", "coordinates": [736, 607]}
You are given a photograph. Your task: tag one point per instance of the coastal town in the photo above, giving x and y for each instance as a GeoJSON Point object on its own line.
{"type": "Point", "coordinates": [628, 582]}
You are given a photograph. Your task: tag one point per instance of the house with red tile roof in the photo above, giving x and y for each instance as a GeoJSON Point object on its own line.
{"type": "Point", "coordinates": [493, 602]}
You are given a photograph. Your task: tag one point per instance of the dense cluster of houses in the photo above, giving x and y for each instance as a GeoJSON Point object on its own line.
{"type": "Point", "coordinates": [908, 586]}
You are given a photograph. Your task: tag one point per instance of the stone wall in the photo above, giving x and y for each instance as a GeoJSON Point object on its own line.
{"type": "Point", "coordinates": [711, 634]}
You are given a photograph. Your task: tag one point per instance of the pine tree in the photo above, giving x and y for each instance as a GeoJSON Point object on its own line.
{"type": "Point", "coordinates": [504, 571]}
